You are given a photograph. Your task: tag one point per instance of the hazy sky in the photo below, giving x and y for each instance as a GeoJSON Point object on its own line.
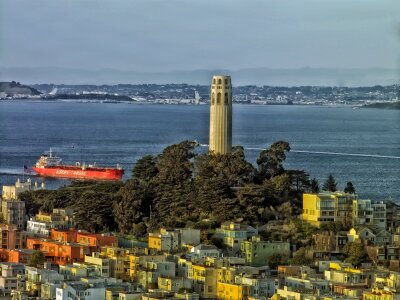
{"type": "Point", "coordinates": [169, 35]}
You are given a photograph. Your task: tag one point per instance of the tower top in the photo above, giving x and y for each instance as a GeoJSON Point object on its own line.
{"type": "Point", "coordinates": [221, 79]}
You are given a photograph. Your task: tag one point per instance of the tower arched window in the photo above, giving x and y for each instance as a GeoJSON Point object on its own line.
{"type": "Point", "coordinates": [220, 81]}
{"type": "Point", "coordinates": [214, 80]}
{"type": "Point", "coordinates": [213, 99]}
{"type": "Point", "coordinates": [226, 81]}
{"type": "Point", "coordinates": [226, 99]}
{"type": "Point", "coordinates": [219, 98]}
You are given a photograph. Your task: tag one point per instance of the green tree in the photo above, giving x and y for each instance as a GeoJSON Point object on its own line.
{"type": "Point", "coordinates": [314, 186]}
{"type": "Point", "coordinates": [145, 168]}
{"type": "Point", "coordinates": [270, 161]}
{"type": "Point", "coordinates": [356, 253]}
{"type": "Point", "coordinates": [300, 259]}
{"type": "Point", "coordinates": [299, 180]}
{"type": "Point", "coordinates": [349, 188]}
{"type": "Point", "coordinates": [133, 204]}
{"type": "Point", "coordinates": [174, 164]}
{"type": "Point", "coordinates": [330, 184]}
{"type": "Point", "coordinates": [140, 230]}
{"type": "Point", "coordinates": [277, 189]}
{"type": "Point", "coordinates": [36, 259]}
{"type": "Point", "coordinates": [231, 166]}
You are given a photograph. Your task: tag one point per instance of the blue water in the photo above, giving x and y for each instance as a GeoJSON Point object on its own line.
{"type": "Point", "coordinates": [121, 133]}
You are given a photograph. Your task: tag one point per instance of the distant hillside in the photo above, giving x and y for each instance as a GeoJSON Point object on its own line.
{"type": "Point", "coordinates": [15, 88]}
{"type": "Point", "coordinates": [251, 76]}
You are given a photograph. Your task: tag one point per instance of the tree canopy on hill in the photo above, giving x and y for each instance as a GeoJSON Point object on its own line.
{"type": "Point", "coordinates": [181, 188]}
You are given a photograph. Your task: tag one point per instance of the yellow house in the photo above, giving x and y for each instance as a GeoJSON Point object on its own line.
{"type": "Point", "coordinates": [118, 261]}
{"type": "Point", "coordinates": [226, 274]}
{"type": "Point", "coordinates": [378, 294]}
{"type": "Point", "coordinates": [174, 284]}
{"type": "Point", "coordinates": [227, 291]}
{"type": "Point", "coordinates": [160, 241]}
{"type": "Point", "coordinates": [205, 281]}
{"type": "Point", "coordinates": [327, 207]}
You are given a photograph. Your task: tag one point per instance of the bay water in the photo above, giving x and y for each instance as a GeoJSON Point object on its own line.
{"type": "Point", "coordinates": [358, 145]}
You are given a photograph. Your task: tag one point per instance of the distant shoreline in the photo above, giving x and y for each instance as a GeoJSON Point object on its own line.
{"type": "Point", "coordinates": [384, 105]}
{"type": "Point", "coordinates": [132, 102]}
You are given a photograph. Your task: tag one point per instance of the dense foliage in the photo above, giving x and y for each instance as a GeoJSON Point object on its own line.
{"type": "Point", "coordinates": [179, 187]}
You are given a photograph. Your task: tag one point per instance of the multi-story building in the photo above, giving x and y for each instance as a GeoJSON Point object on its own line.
{"type": "Point", "coordinates": [35, 277]}
{"type": "Point", "coordinates": [59, 252]}
{"type": "Point", "coordinates": [367, 212]}
{"type": "Point", "coordinates": [11, 237]}
{"type": "Point", "coordinates": [258, 286]}
{"type": "Point", "coordinates": [101, 263]}
{"type": "Point", "coordinates": [151, 271]}
{"type": "Point", "coordinates": [327, 207]}
{"type": "Point", "coordinates": [81, 290]}
{"type": "Point", "coordinates": [257, 252]}
{"type": "Point", "coordinates": [42, 223]}
{"type": "Point", "coordinates": [9, 277]}
{"type": "Point", "coordinates": [233, 234]}
{"type": "Point", "coordinates": [205, 281]}
{"type": "Point", "coordinates": [13, 212]}
{"type": "Point", "coordinates": [11, 192]}
{"type": "Point", "coordinates": [170, 240]}
{"type": "Point", "coordinates": [202, 251]}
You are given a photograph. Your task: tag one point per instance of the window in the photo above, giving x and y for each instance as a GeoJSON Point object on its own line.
{"type": "Point", "coordinates": [219, 98]}
{"type": "Point", "coordinates": [226, 81]}
{"type": "Point", "coordinates": [226, 99]}
{"type": "Point", "coordinates": [212, 98]}
{"type": "Point", "coordinates": [219, 81]}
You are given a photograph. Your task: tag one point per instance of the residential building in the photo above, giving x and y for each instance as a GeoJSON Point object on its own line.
{"type": "Point", "coordinates": [327, 207]}
{"type": "Point", "coordinates": [9, 277]}
{"type": "Point", "coordinates": [202, 251]}
{"type": "Point", "coordinates": [367, 212]}
{"type": "Point", "coordinates": [11, 192]}
{"type": "Point", "coordinates": [204, 281]}
{"type": "Point", "coordinates": [13, 212]}
{"type": "Point", "coordinates": [42, 223]}
{"type": "Point", "coordinates": [58, 252]}
{"type": "Point", "coordinates": [35, 277]}
{"type": "Point", "coordinates": [233, 234]}
{"type": "Point", "coordinates": [11, 237]}
{"type": "Point", "coordinates": [151, 271]}
{"type": "Point", "coordinates": [102, 264]}
{"type": "Point", "coordinates": [257, 252]}
{"type": "Point", "coordinates": [81, 290]}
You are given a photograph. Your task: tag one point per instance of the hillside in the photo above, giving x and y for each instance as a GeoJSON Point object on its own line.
{"type": "Point", "coordinates": [15, 88]}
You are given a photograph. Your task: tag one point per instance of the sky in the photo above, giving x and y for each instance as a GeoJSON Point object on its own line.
{"type": "Point", "coordinates": [166, 35]}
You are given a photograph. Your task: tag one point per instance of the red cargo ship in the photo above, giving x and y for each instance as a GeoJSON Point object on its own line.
{"type": "Point", "coordinates": [50, 166]}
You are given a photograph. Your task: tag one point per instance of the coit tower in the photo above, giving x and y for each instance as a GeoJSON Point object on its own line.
{"type": "Point", "coordinates": [221, 115]}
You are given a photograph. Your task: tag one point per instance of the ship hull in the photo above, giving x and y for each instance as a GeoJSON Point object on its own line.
{"type": "Point", "coordinates": [79, 173]}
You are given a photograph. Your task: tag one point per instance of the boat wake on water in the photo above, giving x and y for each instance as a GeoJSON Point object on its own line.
{"type": "Point", "coordinates": [16, 171]}
{"type": "Point", "coordinates": [326, 153]}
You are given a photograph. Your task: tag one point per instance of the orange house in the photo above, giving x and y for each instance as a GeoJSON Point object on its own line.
{"type": "Point", "coordinates": [66, 236]}
{"type": "Point", "coordinates": [17, 256]}
{"type": "Point", "coordinates": [94, 240]}
{"type": "Point", "coordinates": [57, 252]}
